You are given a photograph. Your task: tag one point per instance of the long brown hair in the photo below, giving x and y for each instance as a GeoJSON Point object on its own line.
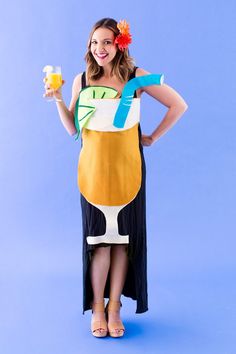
{"type": "Point", "coordinates": [123, 63]}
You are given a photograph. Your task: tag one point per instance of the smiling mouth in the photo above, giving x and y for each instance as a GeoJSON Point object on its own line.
{"type": "Point", "coordinates": [101, 56]}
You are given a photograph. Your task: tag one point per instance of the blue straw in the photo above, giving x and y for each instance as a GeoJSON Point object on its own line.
{"type": "Point", "coordinates": [128, 95]}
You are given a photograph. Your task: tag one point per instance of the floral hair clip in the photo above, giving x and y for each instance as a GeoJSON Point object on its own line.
{"type": "Point", "coordinates": [123, 39]}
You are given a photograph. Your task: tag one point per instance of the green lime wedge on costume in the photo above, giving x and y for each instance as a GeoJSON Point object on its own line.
{"type": "Point", "coordinates": [84, 109]}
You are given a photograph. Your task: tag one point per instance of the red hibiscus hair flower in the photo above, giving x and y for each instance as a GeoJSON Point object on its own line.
{"type": "Point", "coordinates": [124, 38]}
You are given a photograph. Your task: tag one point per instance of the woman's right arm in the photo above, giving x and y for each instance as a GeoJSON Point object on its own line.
{"type": "Point", "coordinates": [67, 115]}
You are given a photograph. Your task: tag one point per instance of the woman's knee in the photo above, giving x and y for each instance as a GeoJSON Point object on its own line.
{"type": "Point", "coordinates": [119, 249]}
{"type": "Point", "coordinates": [103, 251]}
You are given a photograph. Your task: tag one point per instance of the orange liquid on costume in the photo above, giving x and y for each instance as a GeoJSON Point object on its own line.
{"type": "Point", "coordinates": [110, 166]}
{"type": "Point", "coordinates": [54, 80]}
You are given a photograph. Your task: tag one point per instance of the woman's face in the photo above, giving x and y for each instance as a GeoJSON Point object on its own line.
{"type": "Point", "coordinates": [102, 46]}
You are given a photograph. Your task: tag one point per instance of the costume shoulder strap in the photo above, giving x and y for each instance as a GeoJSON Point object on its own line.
{"type": "Point", "coordinates": [83, 80]}
{"type": "Point", "coordinates": [132, 75]}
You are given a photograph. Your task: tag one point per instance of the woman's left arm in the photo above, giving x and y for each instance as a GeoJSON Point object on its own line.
{"type": "Point", "coordinates": [171, 99]}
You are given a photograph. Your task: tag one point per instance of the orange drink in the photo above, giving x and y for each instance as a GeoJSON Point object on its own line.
{"type": "Point", "coordinates": [54, 80]}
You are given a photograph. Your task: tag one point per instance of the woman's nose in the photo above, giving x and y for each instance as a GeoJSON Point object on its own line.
{"type": "Point", "coordinates": [100, 47]}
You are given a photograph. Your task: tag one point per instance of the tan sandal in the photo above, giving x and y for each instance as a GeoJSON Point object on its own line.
{"type": "Point", "coordinates": [99, 328]}
{"type": "Point", "coordinates": [115, 328]}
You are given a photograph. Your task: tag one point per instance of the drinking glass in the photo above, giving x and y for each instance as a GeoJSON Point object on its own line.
{"type": "Point", "coordinates": [53, 79]}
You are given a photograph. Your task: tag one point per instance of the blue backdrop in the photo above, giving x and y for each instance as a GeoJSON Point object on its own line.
{"type": "Point", "coordinates": [190, 180]}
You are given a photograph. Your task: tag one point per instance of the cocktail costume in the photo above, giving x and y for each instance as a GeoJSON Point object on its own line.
{"type": "Point", "coordinates": [111, 180]}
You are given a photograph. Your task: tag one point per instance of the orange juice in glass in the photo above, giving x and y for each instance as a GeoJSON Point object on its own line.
{"type": "Point", "coordinates": [54, 80]}
{"type": "Point", "coordinates": [53, 77]}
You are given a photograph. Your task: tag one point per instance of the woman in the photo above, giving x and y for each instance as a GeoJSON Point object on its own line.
{"type": "Point", "coordinates": [111, 173]}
